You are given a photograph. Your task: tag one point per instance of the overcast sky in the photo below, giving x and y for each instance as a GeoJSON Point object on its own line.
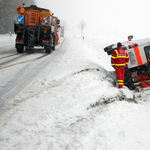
{"type": "Point", "coordinates": [106, 18]}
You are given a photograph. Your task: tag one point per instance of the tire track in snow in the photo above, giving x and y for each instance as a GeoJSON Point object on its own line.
{"type": "Point", "coordinates": [10, 88]}
{"type": "Point", "coordinates": [8, 56]}
{"type": "Point", "coordinates": [13, 59]}
{"type": "Point", "coordinates": [22, 62]}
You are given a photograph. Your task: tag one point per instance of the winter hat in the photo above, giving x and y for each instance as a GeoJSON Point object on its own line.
{"type": "Point", "coordinates": [119, 44]}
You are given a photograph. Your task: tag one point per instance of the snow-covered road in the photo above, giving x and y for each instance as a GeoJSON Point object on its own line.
{"type": "Point", "coordinates": [73, 104]}
{"type": "Point", "coordinates": [13, 83]}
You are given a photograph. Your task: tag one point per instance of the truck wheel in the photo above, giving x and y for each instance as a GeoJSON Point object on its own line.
{"type": "Point", "coordinates": [54, 40]}
{"type": "Point", "coordinates": [47, 49]}
{"type": "Point", "coordinates": [20, 48]}
{"type": "Point", "coordinates": [53, 47]}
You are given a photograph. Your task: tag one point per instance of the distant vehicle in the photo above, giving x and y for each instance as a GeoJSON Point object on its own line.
{"type": "Point", "coordinates": [62, 31]}
{"type": "Point", "coordinates": [137, 70]}
{"type": "Point", "coordinates": [36, 27]}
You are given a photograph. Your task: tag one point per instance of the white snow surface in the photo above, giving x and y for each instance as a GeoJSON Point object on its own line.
{"type": "Point", "coordinates": [63, 108]}
{"type": "Point", "coordinates": [7, 38]}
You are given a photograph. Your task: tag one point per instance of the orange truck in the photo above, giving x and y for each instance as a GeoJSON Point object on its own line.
{"type": "Point", "coordinates": [36, 26]}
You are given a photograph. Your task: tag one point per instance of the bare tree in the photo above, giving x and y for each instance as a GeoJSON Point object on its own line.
{"type": "Point", "coordinates": [81, 26]}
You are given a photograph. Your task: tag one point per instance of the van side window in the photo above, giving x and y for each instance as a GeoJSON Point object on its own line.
{"type": "Point", "coordinates": [147, 51]}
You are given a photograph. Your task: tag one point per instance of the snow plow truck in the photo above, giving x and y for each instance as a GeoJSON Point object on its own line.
{"type": "Point", "coordinates": [36, 27]}
{"type": "Point", "coordinates": [137, 72]}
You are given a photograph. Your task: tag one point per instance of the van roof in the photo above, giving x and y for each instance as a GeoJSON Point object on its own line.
{"type": "Point", "coordinates": [141, 41]}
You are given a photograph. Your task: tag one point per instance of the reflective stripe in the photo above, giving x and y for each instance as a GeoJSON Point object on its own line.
{"type": "Point", "coordinates": [120, 80]}
{"type": "Point", "coordinates": [137, 53]}
{"type": "Point", "coordinates": [121, 57]}
{"type": "Point", "coordinates": [120, 83]}
{"type": "Point", "coordinates": [112, 64]}
{"type": "Point", "coordinates": [138, 56]}
{"type": "Point", "coordinates": [113, 57]}
{"type": "Point", "coordinates": [116, 52]}
{"type": "Point", "coordinates": [120, 64]}
{"type": "Point", "coordinates": [126, 56]}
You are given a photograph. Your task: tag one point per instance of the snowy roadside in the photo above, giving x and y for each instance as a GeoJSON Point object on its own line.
{"type": "Point", "coordinates": [65, 107]}
{"type": "Point", "coordinates": [5, 39]}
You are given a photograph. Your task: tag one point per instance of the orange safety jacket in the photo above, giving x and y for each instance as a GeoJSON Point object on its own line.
{"type": "Point", "coordinates": [119, 57]}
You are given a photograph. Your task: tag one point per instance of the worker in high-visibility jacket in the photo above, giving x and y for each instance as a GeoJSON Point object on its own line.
{"type": "Point", "coordinates": [119, 59]}
{"type": "Point", "coordinates": [148, 61]}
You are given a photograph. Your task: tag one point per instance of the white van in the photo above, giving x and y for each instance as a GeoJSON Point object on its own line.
{"type": "Point", "coordinates": [137, 70]}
